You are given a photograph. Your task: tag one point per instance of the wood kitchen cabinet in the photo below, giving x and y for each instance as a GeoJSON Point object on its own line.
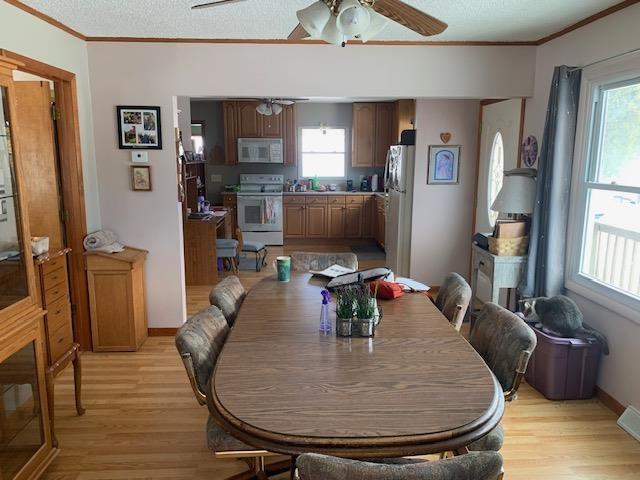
{"type": "Point", "coordinates": [241, 120]}
{"type": "Point", "coordinates": [364, 132]}
{"type": "Point", "coordinates": [230, 115]}
{"type": "Point", "coordinates": [380, 220]}
{"type": "Point", "coordinates": [316, 216]}
{"type": "Point", "coordinates": [368, 216]}
{"type": "Point", "coordinates": [336, 214]}
{"type": "Point", "coordinates": [353, 219]}
{"type": "Point", "coordinates": [384, 132]}
{"type": "Point", "coordinates": [404, 113]}
{"type": "Point", "coordinates": [230, 202]}
{"type": "Point", "coordinates": [294, 221]}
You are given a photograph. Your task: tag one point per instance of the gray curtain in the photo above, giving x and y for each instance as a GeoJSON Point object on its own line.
{"type": "Point", "coordinates": [547, 245]}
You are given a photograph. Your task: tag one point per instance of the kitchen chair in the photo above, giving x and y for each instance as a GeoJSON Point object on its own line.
{"type": "Point", "coordinates": [305, 261]}
{"type": "Point", "coordinates": [227, 250]}
{"type": "Point", "coordinates": [228, 296]}
{"type": "Point", "coordinates": [505, 342]}
{"type": "Point", "coordinates": [453, 299]}
{"type": "Point", "coordinates": [259, 249]}
{"type": "Point", "coordinates": [199, 342]}
{"type": "Point", "coordinates": [471, 466]}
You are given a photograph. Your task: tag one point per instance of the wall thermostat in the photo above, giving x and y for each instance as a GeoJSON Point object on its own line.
{"type": "Point", "coordinates": [140, 157]}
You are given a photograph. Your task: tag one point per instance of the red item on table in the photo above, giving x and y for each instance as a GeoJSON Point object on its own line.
{"type": "Point", "coordinates": [386, 290]}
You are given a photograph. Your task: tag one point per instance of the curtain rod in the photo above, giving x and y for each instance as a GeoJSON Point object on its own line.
{"type": "Point", "coordinates": [573, 69]}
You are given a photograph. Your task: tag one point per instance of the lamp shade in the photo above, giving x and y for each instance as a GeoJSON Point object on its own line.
{"type": "Point", "coordinates": [376, 25]}
{"type": "Point", "coordinates": [314, 18]}
{"type": "Point", "coordinates": [518, 193]}
{"type": "Point", "coordinates": [353, 19]}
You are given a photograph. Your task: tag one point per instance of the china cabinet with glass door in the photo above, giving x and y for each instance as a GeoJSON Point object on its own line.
{"type": "Point", "coordinates": [25, 434]}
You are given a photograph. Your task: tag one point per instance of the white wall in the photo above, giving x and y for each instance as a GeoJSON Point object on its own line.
{"type": "Point", "coordinates": [443, 214]}
{"type": "Point", "coordinates": [609, 36]}
{"type": "Point", "coordinates": [151, 74]}
{"type": "Point", "coordinates": [23, 33]}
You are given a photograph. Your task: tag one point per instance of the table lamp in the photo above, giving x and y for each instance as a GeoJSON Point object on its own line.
{"type": "Point", "coordinates": [517, 197]}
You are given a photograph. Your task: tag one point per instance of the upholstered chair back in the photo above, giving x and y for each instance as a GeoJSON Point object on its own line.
{"type": "Point", "coordinates": [472, 466]}
{"type": "Point", "coordinates": [228, 296]}
{"type": "Point", "coordinates": [199, 342]}
{"type": "Point", "coordinates": [305, 261]}
{"type": "Point", "coordinates": [453, 299]}
{"type": "Point", "coordinates": [506, 343]}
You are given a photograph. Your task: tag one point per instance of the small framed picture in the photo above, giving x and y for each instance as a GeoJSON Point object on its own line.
{"type": "Point", "coordinates": [140, 178]}
{"type": "Point", "coordinates": [443, 164]}
{"type": "Point", "coordinates": [139, 127]}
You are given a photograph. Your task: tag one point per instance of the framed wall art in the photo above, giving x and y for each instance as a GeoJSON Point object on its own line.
{"type": "Point", "coordinates": [139, 127]}
{"type": "Point", "coordinates": [443, 164]}
{"type": "Point", "coordinates": [140, 178]}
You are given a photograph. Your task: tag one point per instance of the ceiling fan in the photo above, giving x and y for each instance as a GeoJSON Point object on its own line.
{"type": "Point", "coordinates": [272, 106]}
{"type": "Point", "coordinates": [337, 21]}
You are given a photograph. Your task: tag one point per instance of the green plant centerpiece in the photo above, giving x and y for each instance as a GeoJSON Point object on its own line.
{"type": "Point", "coordinates": [345, 310]}
{"type": "Point", "coordinates": [365, 311]}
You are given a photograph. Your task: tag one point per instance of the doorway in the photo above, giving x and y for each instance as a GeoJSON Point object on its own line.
{"type": "Point", "coordinates": [67, 189]}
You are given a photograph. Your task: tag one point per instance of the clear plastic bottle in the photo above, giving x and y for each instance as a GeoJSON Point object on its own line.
{"type": "Point", "coordinates": [325, 320]}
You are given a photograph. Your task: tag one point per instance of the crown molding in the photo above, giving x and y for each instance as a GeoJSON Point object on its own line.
{"type": "Point", "coordinates": [596, 16]}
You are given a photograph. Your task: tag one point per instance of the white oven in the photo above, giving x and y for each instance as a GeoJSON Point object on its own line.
{"type": "Point", "coordinates": [260, 211]}
{"type": "Point", "coordinates": [260, 150]}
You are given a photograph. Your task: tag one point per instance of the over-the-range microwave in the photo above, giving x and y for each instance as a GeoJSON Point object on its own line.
{"type": "Point", "coordinates": [260, 150]}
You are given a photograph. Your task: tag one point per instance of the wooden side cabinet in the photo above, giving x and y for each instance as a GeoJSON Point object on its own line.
{"type": "Point", "coordinates": [117, 300]}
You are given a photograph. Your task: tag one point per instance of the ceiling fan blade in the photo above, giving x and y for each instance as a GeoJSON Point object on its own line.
{"type": "Point", "coordinates": [298, 33]}
{"type": "Point", "coordinates": [214, 4]}
{"type": "Point", "coordinates": [410, 17]}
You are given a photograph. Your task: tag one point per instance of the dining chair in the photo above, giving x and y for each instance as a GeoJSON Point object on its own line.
{"type": "Point", "coordinates": [306, 261]}
{"type": "Point", "coordinates": [453, 299]}
{"type": "Point", "coordinates": [471, 466]}
{"type": "Point", "coordinates": [199, 342]}
{"type": "Point", "coordinates": [258, 249]}
{"type": "Point", "coordinates": [505, 342]}
{"type": "Point", "coordinates": [228, 296]}
{"type": "Point", "coordinates": [227, 250]}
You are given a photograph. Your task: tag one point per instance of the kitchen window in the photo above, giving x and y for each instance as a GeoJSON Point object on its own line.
{"type": "Point", "coordinates": [323, 152]}
{"type": "Point", "coordinates": [606, 227]}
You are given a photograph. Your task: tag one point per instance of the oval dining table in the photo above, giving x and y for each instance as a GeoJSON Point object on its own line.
{"type": "Point", "coordinates": [415, 388]}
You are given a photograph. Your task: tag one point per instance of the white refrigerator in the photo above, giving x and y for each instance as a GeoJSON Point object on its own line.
{"type": "Point", "coordinates": [399, 173]}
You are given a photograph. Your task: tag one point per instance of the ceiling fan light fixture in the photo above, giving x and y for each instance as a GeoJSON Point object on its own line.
{"type": "Point", "coordinates": [353, 19]}
{"type": "Point", "coordinates": [264, 109]}
{"type": "Point", "coordinates": [276, 108]}
{"type": "Point", "coordinates": [314, 18]}
{"type": "Point", "coordinates": [376, 25]}
{"type": "Point", "coordinates": [331, 33]}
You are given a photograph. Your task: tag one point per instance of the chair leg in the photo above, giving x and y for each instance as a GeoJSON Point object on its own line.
{"type": "Point", "coordinates": [258, 258]}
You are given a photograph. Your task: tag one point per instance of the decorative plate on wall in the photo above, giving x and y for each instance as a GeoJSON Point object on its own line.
{"type": "Point", "coordinates": [530, 151]}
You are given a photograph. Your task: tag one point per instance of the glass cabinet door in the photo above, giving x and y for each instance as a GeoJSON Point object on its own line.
{"type": "Point", "coordinates": [21, 423]}
{"type": "Point", "coordinates": [13, 274]}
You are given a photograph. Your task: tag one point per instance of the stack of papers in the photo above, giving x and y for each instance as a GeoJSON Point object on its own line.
{"type": "Point", "coordinates": [332, 272]}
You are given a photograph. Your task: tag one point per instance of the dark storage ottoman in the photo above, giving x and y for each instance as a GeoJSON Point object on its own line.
{"type": "Point", "coordinates": [563, 368]}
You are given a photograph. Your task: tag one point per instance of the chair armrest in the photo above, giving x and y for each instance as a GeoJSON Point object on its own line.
{"type": "Point", "coordinates": [191, 373]}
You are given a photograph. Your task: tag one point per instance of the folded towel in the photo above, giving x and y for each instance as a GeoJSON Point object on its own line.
{"type": "Point", "coordinates": [102, 241]}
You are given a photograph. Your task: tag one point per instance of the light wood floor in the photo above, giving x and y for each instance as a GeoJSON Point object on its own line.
{"type": "Point", "coordinates": [142, 422]}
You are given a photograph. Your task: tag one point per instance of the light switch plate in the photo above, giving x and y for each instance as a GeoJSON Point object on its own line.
{"type": "Point", "coordinates": [216, 178]}
{"type": "Point", "coordinates": [140, 157]}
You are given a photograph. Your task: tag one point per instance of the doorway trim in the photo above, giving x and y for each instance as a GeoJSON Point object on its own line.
{"type": "Point", "coordinates": [71, 179]}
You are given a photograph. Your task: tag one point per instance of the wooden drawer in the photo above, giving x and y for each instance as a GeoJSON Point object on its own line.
{"type": "Point", "coordinates": [355, 199]}
{"type": "Point", "coordinates": [55, 264]}
{"type": "Point", "coordinates": [316, 200]}
{"type": "Point", "coordinates": [55, 277]}
{"type": "Point", "coordinates": [59, 328]}
{"type": "Point", "coordinates": [485, 265]}
{"type": "Point", "coordinates": [294, 199]}
{"type": "Point", "coordinates": [228, 200]}
{"type": "Point", "coordinates": [56, 292]}
{"type": "Point", "coordinates": [336, 200]}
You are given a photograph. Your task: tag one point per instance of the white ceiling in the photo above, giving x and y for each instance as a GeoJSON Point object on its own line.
{"type": "Point", "coordinates": [479, 20]}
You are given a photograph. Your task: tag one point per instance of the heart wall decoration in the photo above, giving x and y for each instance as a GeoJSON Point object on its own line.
{"type": "Point", "coordinates": [445, 137]}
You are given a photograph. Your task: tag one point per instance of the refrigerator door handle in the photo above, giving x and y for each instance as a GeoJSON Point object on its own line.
{"type": "Point", "coordinates": [386, 170]}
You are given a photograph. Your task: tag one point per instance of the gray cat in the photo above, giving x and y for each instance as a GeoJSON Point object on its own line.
{"type": "Point", "coordinates": [561, 316]}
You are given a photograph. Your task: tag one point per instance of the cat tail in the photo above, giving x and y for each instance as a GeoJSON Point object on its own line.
{"type": "Point", "coordinates": [591, 333]}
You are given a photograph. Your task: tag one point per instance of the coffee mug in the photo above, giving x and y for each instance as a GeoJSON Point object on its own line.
{"type": "Point", "coordinates": [284, 268]}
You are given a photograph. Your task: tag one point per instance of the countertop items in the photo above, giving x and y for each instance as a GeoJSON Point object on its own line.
{"type": "Point", "coordinates": [328, 193]}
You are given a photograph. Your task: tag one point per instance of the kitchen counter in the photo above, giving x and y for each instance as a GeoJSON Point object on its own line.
{"type": "Point", "coordinates": [330, 193]}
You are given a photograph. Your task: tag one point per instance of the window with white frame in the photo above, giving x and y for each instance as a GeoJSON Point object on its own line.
{"type": "Point", "coordinates": [608, 194]}
{"type": "Point", "coordinates": [323, 152]}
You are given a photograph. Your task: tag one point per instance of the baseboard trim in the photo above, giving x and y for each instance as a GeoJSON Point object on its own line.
{"type": "Point", "coordinates": [611, 403]}
{"type": "Point", "coordinates": [162, 332]}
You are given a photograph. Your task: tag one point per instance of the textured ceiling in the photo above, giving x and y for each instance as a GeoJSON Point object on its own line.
{"type": "Point", "coordinates": [469, 20]}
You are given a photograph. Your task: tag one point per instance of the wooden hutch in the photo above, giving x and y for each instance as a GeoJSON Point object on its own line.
{"type": "Point", "coordinates": [26, 440]}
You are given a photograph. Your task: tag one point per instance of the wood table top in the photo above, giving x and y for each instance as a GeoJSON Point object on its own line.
{"type": "Point", "coordinates": [417, 387]}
